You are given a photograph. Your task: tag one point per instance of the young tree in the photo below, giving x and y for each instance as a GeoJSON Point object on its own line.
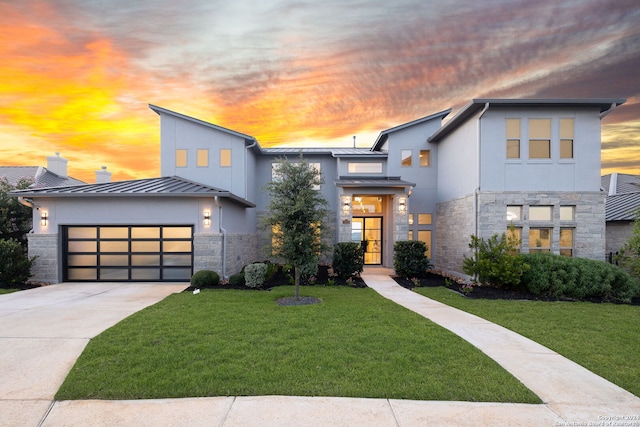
{"type": "Point", "coordinates": [15, 219]}
{"type": "Point", "coordinates": [297, 215]}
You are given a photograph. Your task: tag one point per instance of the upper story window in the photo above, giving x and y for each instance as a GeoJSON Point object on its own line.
{"type": "Point", "coordinates": [539, 138]}
{"type": "Point", "coordinates": [540, 213]}
{"type": "Point", "coordinates": [513, 138]}
{"type": "Point", "coordinates": [181, 158]}
{"type": "Point", "coordinates": [425, 158]}
{"type": "Point", "coordinates": [225, 157]}
{"type": "Point", "coordinates": [567, 213]}
{"type": "Point", "coordinates": [514, 213]}
{"type": "Point", "coordinates": [202, 158]}
{"type": "Point", "coordinates": [275, 171]}
{"type": "Point", "coordinates": [406, 158]}
{"type": "Point", "coordinates": [358, 167]}
{"type": "Point", "coordinates": [424, 219]}
{"type": "Point", "coordinates": [566, 138]}
{"type": "Point", "coordinates": [317, 166]}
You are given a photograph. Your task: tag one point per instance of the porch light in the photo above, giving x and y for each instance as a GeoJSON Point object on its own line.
{"type": "Point", "coordinates": [44, 219]}
{"type": "Point", "coordinates": [346, 205]}
{"type": "Point", "coordinates": [207, 218]}
{"type": "Point", "coordinates": [402, 205]}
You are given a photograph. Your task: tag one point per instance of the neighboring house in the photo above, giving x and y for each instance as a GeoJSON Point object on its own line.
{"type": "Point", "coordinates": [533, 164]}
{"type": "Point", "coordinates": [54, 175]}
{"type": "Point", "coordinates": [622, 203]}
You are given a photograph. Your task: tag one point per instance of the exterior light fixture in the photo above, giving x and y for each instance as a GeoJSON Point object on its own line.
{"type": "Point", "coordinates": [207, 218]}
{"type": "Point", "coordinates": [346, 204]}
{"type": "Point", "coordinates": [44, 219]}
{"type": "Point", "coordinates": [402, 205]}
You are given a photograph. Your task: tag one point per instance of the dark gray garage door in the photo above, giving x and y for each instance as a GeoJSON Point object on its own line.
{"type": "Point", "coordinates": [127, 253]}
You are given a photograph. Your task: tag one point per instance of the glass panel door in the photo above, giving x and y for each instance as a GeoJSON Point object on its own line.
{"type": "Point", "coordinates": [368, 231]}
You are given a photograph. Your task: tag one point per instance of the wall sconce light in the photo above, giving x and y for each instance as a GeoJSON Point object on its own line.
{"type": "Point", "coordinates": [207, 218]}
{"type": "Point", "coordinates": [402, 205]}
{"type": "Point", "coordinates": [44, 218]}
{"type": "Point", "coordinates": [346, 204]}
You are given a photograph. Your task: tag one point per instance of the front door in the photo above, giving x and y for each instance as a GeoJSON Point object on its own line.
{"type": "Point", "coordinates": [368, 231]}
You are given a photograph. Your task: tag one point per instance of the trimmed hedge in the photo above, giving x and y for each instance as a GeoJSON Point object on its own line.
{"type": "Point", "coordinates": [255, 275]}
{"type": "Point", "coordinates": [410, 258]}
{"type": "Point", "coordinates": [347, 259]}
{"type": "Point", "coordinates": [204, 278]}
{"type": "Point", "coordinates": [579, 278]}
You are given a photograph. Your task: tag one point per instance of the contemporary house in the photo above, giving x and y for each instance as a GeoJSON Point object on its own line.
{"type": "Point", "coordinates": [622, 203]}
{"type": "Point", "coordinates": [532, 164]}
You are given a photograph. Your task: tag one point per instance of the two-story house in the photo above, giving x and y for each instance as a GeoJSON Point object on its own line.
{"type": "Point", "coordinates": [533, 164]}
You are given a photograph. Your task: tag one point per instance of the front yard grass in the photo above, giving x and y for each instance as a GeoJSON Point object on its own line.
{"type": "Point", "coordinates": [604, 338]}
{"type": "Point", "coordinates": [233, 343]}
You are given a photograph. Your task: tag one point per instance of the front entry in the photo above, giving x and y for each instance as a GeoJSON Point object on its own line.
{"type": "Point", "coordinates": [368, 231]}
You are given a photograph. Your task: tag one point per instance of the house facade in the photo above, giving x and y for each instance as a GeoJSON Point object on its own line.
{"type": "Point", "coordinates": [533, 165]}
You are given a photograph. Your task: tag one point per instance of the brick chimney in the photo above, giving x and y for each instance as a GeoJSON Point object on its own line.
{"type": "Point", "coordinates": [103, 175]}
{"type": "Point", "coordinates": [57, 165]}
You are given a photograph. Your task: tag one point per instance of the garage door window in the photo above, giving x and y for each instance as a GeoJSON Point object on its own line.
{"type": "Point", "coordinates": [116, 253]}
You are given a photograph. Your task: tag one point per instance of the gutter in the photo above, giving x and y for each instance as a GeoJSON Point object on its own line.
{"type": "Point", "coordinates": [25, 202]}
{"type": "Point", "coordinates": [223, 231]}
{"type": "Point", "coordinates": [606, 112]}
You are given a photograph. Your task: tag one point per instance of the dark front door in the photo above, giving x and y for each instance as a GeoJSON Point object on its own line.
{"type": "Point", "coordinates": [368, 231]}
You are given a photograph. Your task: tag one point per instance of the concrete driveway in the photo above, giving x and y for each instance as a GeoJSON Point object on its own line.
{"type": "Point", "coordinates": [44, 330]}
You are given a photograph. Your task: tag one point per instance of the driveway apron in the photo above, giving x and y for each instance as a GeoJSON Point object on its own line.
{"type": "Point", "coordinates": [44, 330]}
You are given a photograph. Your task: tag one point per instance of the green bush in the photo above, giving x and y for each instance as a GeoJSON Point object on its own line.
{"type": "Point", "coordinates": [205, 278]}
{"type": "Point", "coordinates": [347, 259]}
{"type": "Point", "coordinates": [237, 279]}
{"type": "Point", "coordinates": [15, 265]}
{"type": "Point", "coordinates": [578, 278]}
{"type": "Point", "coordinates": [410, 258]}
{"type": "Point", "coordinates": [495, 261]}
{"type": "Point", "coordinates": [255, 274]}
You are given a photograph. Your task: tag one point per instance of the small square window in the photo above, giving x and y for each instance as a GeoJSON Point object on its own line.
{"type": "Point", "coordinates": [181, 158]}
{"type": "Point", "coordinates": [424, 219]}
{"type": "Point", "coordinates": [567, 213]}
{"type": "Point", "coordinates": [514, 213]}
{"type": "Point", "coordinates": [540, 213]}
{"type": "Point", "coordinates": [225, 157]}
{"type": "Point", "coordinates": [425, 158]}
{"type": "Point", "coordinates": [406, 157]}
{"type": "Point", "coordinates": [539, 240]}
{"type": "Point", "coordinates": [202, 158]}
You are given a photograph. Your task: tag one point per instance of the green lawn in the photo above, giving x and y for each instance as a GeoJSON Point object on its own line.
{"type": "Point", "coordinates": [223, 342]}
{"type": "Point", "coordinates": [8, 290]}
{"type": "Point", "coordinates": [604, 338]}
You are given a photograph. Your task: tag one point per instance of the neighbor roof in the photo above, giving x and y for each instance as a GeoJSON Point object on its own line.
{"type": "Point", "coordinates": [475, 105]}
{"type": "Point", "coordinates": [623, 196]}
{"type": "Point", "coordinates": [41, 176]}
{"type": "Point", "coordinates": [171, 186]}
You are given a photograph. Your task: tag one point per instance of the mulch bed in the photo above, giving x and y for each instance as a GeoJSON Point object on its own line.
{"type": "Point", "coordinates": [435, 279]}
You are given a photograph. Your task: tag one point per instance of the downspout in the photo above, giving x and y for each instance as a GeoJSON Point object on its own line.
{"type": "Point", "coordinates": [223, 231]}
{"type": "Point", "coordinates": [479, 159]}
{"type": "Point", "coordinates": [606, 112]}
{"type": "Point", "coordinates": [246, 165]}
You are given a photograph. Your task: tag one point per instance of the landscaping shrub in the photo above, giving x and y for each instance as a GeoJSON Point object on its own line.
{"type": "Point", "coordinates": [578, 278]}
{"type": "Point", "coordinates": [347, 259]}
{"type": "Point", "coordinates": [237, 279]}
{"type": "Point", "coordinates": [204, 278]}
{"type": "Point", "coordinates": [495, 261]}
{"type": "Point", "coordinates": [15, 265]}
{"type": "Point", "coordinates": [255, 275]}
{"type": "Point", "coordinates": [410, 258]}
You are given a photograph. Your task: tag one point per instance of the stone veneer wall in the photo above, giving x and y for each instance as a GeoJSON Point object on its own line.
{"type": "Point", "coordinates": [589, 222]}
{"type": "Point", "coordinates": [207, 252]}
{"type": "Point", "coordinates": [45, 248]}
{"type": "Point", "coordinates": [618, 233]}
{"type": "Point", "coordinates": [454, 227]}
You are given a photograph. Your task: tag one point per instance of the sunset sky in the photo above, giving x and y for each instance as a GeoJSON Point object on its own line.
{"type": "Point", "coordinates": [77, 76]}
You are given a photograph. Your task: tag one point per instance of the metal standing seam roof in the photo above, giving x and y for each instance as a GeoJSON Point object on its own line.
{"type": "Point", "coordinates": [172, 186]}
{"type": "Point", "coordinates": [335, 152]}
{"type": "Point", "coordinates": [622, 207]}
{"type": "Point", "coordinates": [389, 182]}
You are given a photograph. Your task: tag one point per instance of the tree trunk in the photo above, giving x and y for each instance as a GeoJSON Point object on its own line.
{"type": "Point", "coordinates": [297, 281]}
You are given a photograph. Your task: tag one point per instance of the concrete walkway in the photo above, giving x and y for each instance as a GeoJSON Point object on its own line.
{"type": "Point", "coordinates": [570, 393]}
